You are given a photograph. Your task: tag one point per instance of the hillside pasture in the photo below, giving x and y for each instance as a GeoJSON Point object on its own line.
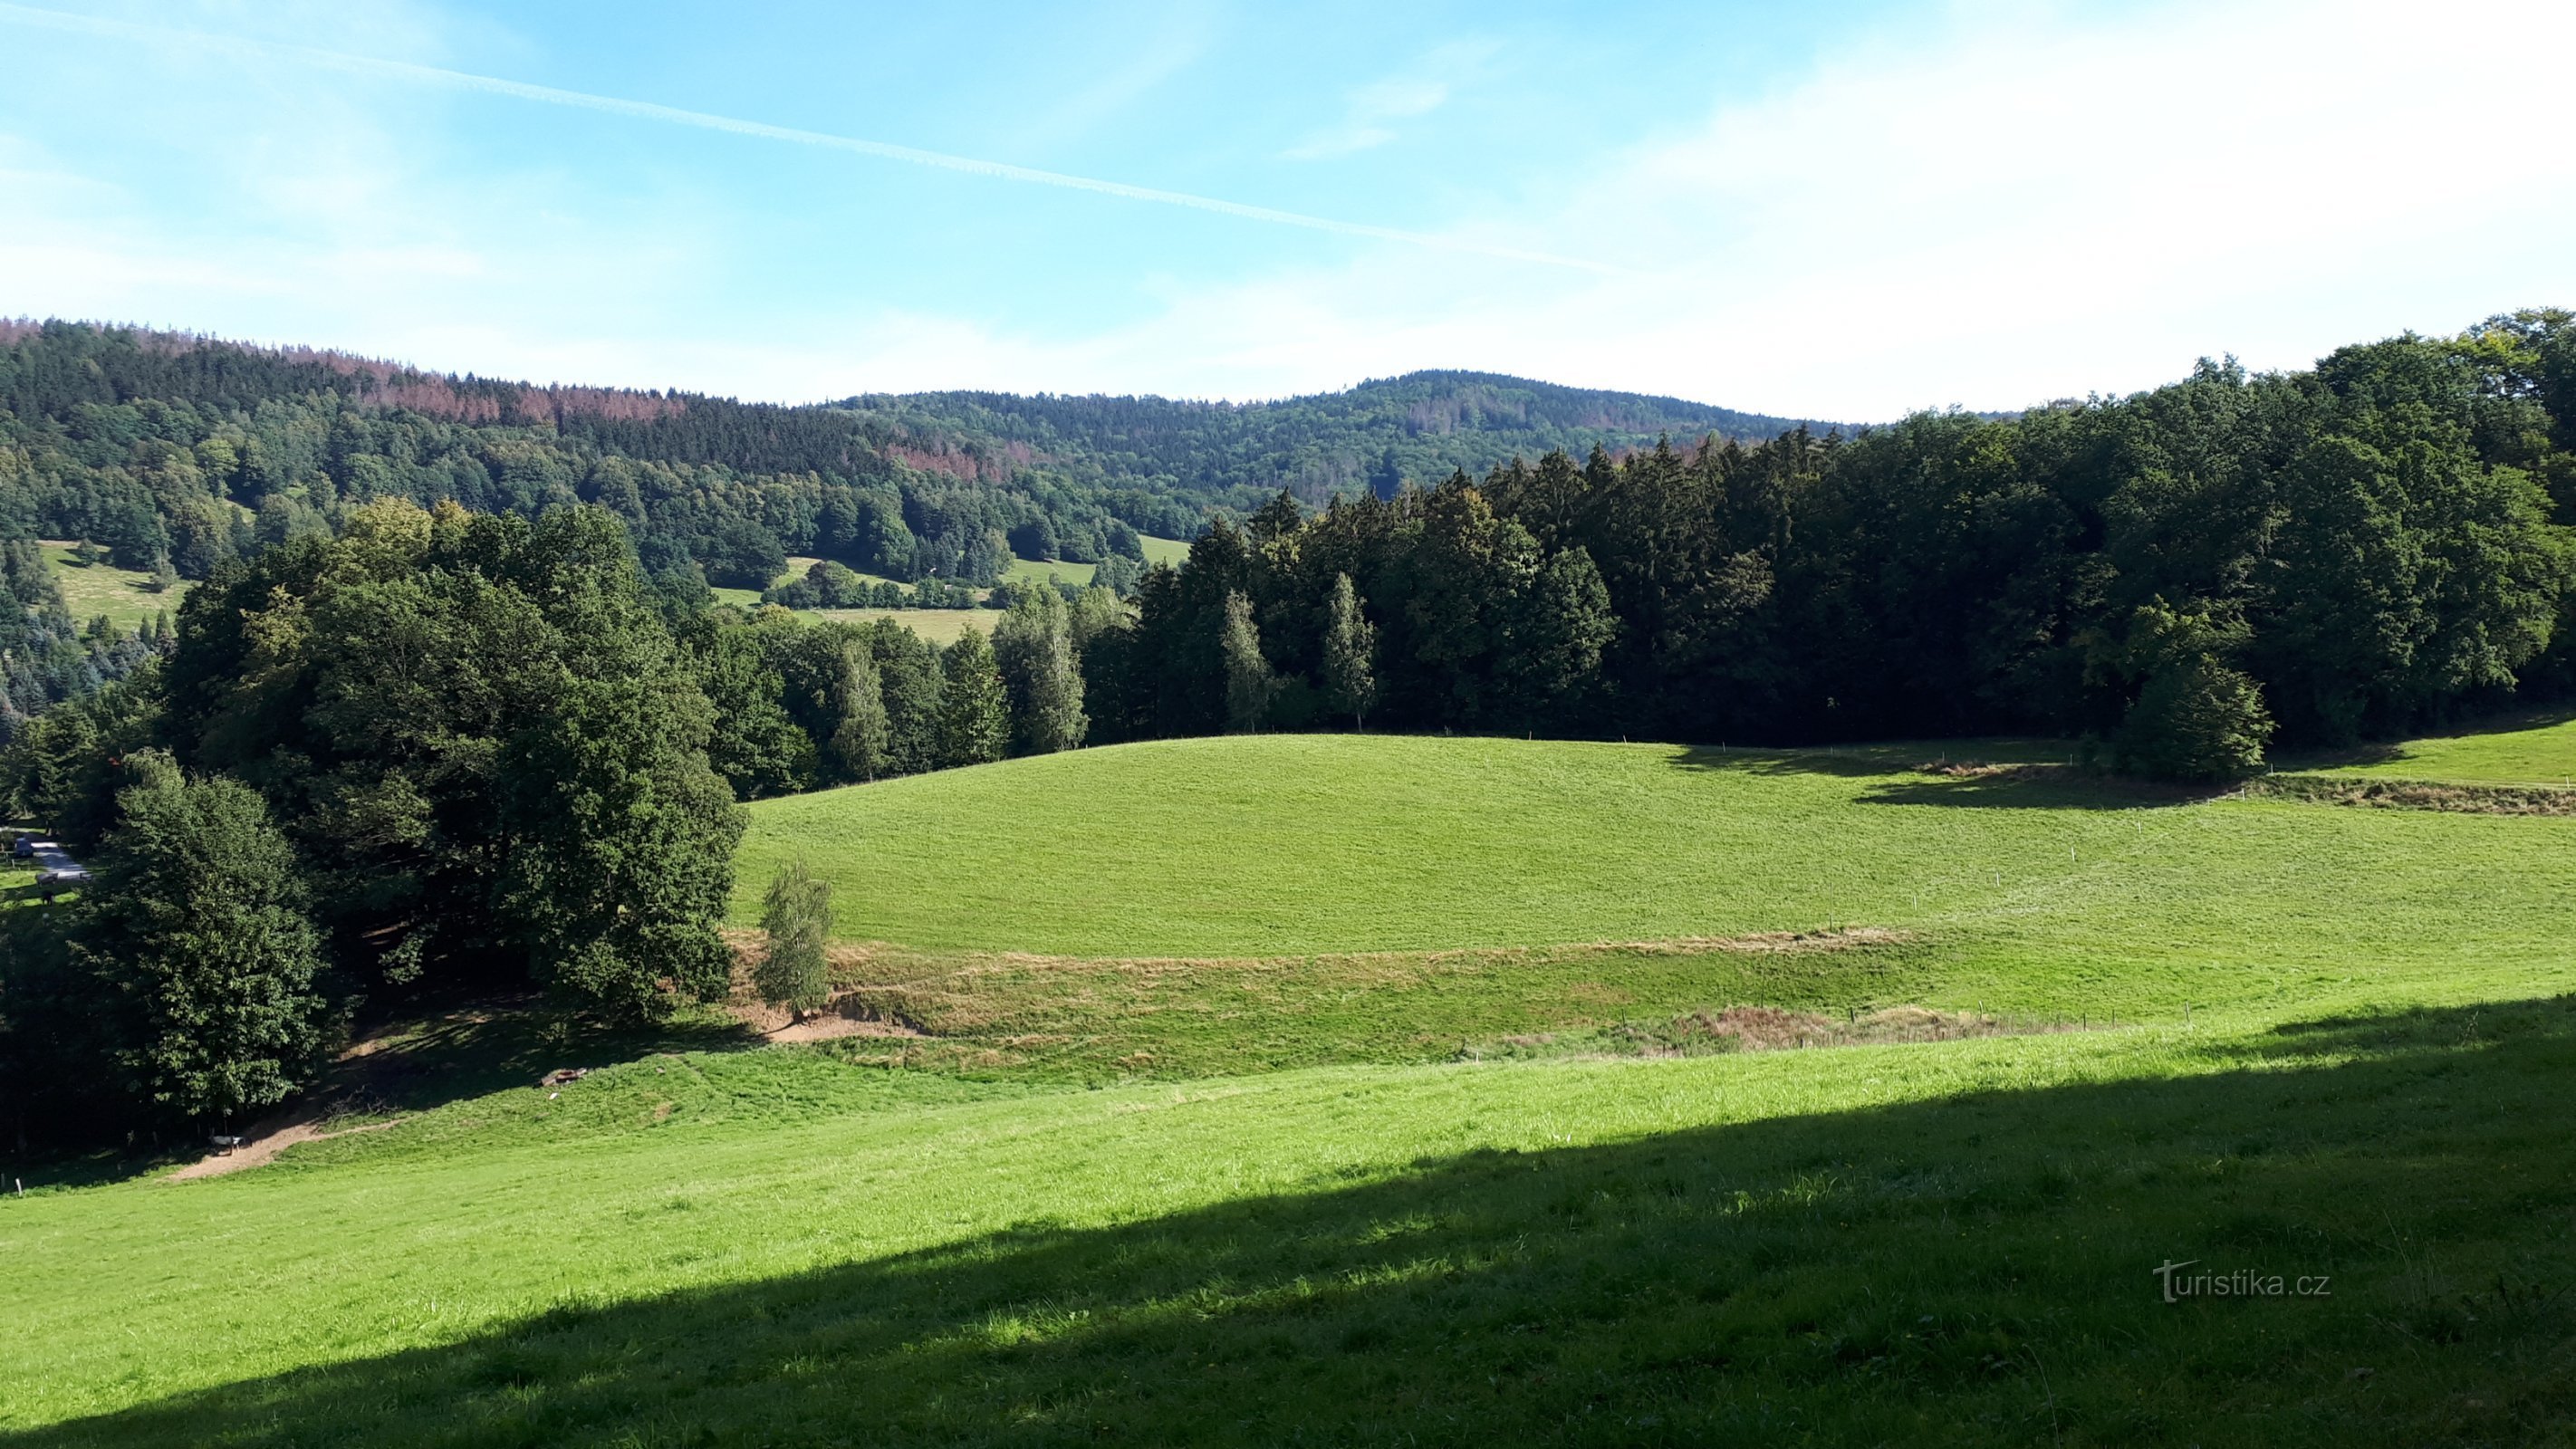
{"type": "Point", "coordinates": [2533, 747]}
{"type": "Point", "coordinates": [1038, 571]}
{"type": "Point", "coordinates": [939, 626]}
{"type": "Point", "coordinates": [125, 596]}
{"type": "Point", "coordinates": [1347, 1089]}
{"type": "Point", "coordinates": [1385, 898]}
{"type": "Point", "coordinates": [1936, 1244]}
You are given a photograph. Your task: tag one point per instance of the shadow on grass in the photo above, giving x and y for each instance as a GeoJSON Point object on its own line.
{"type": "Point", "coordinates": [475, 1048]}
{"type": "Point", "coordinates": [458, 1051]}
{"type": "Point", "coordinates": [2387, 752]}
{"type": "Point", "coordinates": [1977, 1270]}
{"type": "Point", "coordinates": [1998, 775]}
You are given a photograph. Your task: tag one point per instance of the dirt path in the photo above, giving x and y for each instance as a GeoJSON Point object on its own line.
{"type": "Point", "coordinates": [824, 1028]}
{"type": "Point", "coordinates": [263, 1147]}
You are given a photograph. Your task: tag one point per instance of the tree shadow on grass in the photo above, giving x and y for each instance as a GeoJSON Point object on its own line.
{"type": "Point", "coordinates": [472, 1049]}
{"type": "Point", "coordinates": [1978, 774]}
{"type": "Point", "coordinates": [2383, 752]}
{"type": "Point", "coordinates": [453, 1052]}
{"type": "Point", "coordinates": [1976, 1270]}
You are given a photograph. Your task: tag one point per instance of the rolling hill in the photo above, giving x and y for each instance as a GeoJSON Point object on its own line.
{"type": "Point", "coordinates": [1409, 1147]}
{"type": "Point", "coordinates": [1419, 427]}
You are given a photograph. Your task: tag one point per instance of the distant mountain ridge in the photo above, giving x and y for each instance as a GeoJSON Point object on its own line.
{"type": "Point", "coordinates": [162, 445]}
{"type": "Point", "coordinates": [1420, 427]}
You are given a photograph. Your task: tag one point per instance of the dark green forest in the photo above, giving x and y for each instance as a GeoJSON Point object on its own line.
{"type": "Point", "coordinates": [1372, 438]}
{"type": "Point", "coordinates": [169, 447]}
{"type": "Point", "coordinates": [452, 708]}
{"type": "Point", "coordinates": [2179, 576]}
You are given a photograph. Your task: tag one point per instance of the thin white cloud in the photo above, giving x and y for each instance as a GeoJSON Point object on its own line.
{"type": "Point", "coordinates": [2023, 205]}
{"type": "Point", "coordinates": [1370, 112]}
{"type": "Point", "coordinates": [734, 125]}
{"type": "Point", "coordinates": [2033, 202]}
{"type": "Point", "coordinates": [1163, 45]}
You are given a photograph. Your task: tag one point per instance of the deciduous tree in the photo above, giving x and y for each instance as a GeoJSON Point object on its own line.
{"type": "Point", "coordinates": [197, 931]}
{"type": "Point", "coordinates": [796, 915]}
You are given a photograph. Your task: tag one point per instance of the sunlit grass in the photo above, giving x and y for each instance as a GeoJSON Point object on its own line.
{"type": "Point", "coordinates": [2034, 893]}
{"type": "Point", "coordinates": [1188, 1151]}
{"type": "Point", "coordinates": [1951, 1243]}
{"type": "Point", "coordinates": [125, 596]}
{"type": "Point", "coordinates": [2536, 748]}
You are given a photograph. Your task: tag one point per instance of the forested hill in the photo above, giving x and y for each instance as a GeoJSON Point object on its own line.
{"type": "Point", "coordinates": [168, 448]}
{"type": "Point", "coordinates": [1422, 426]}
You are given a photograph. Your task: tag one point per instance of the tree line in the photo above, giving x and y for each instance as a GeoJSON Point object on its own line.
{"type": "Point", "coordinates": [2181, 577]}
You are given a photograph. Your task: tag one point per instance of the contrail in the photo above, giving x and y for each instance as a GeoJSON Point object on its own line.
{"type": "Point", "coordinates": [734, 125]}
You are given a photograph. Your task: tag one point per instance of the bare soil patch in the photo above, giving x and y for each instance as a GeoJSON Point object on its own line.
{"type": "Point", "coordinates": [1765, 1028]}
{"type": "Point", "coordinates": [1974, 770]}
{"type": "Point", "coordinates": [2415, 795]}
{"type": "Point", "coordinates": [848, 1013]}
{"type": "Point", "coordinates": [267, 1141]}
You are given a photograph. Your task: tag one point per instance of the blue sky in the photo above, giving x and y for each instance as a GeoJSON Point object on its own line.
{"type": "Point", "coordinates": [1841, 210]}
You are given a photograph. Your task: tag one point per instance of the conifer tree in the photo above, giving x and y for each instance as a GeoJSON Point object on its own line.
{"type": "Point", "coordinates": [2196, 720]}
{"type": "Point", "coordinates": [1249, 685]}
{"type": "Point", "coordinates": [2195, 717]}
{"type": "Point", "coordinates": [1350, 640]}
{"type": "Point", "coordinates": [797, 916]}
{"type": "Point", "coordinates": [974, 713]}
{"type": "Point", "coordinates": [1565, 625]}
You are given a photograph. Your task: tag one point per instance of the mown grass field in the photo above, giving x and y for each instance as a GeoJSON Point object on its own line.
{"type": "Point", "coordinates": [1341, 885]}
{"type": "Point", "coordinates": [1903, 1244]}
{"type": "Point", "coordinates": [125, 596]}
{"type": "Point", "coordinates": [1032, 570]}
{"type": "Point", "coordinates": [939, 626]}
{"type": "Point", "coordinates": [2534, 748]}
{"type": "Point", "coordinates": [1037, 571]}
{"type": "Point", "coordinates": [1168, 1171]}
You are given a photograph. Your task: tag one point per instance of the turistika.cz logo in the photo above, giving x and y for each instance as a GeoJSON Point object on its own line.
{"type": "Point", "coordinates": [2242, 1283]}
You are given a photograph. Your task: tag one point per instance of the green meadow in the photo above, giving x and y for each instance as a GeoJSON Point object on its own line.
{"type": "Point", "coordinates": [1157, 550]}
{"type": "Point", "coordinates": [939, 626]}
{"type": "Point", "coordinates": [125, 596]}
{"type": "Point", "coordinates": [2537, 748]}
{"type": "Point", "coordinates": [2031, 890]}
{"type": "Point", "coordinates": [1038, 571]}
{"type": "Point", "coordinates": [1338, 1089]}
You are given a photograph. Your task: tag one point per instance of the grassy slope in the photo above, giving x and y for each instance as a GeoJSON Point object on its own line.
{"type": "Point", "coordinates": [939, 626]}
{"type": "Point", "coordinates": [123, 595]}
{"type": "Point", "coordinates": [1036, 571]}
{"type": "Point", "coordinates": [2024, 895]}
{"type": "Point", "coordinates": [1910, 1243]}
{"type": "Point", "coordinates": [1164, 550]}
{"type": "Point", "coordinates": [2537, 748]}
{"type": "Point", "coordinates": [1950, 1243]}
